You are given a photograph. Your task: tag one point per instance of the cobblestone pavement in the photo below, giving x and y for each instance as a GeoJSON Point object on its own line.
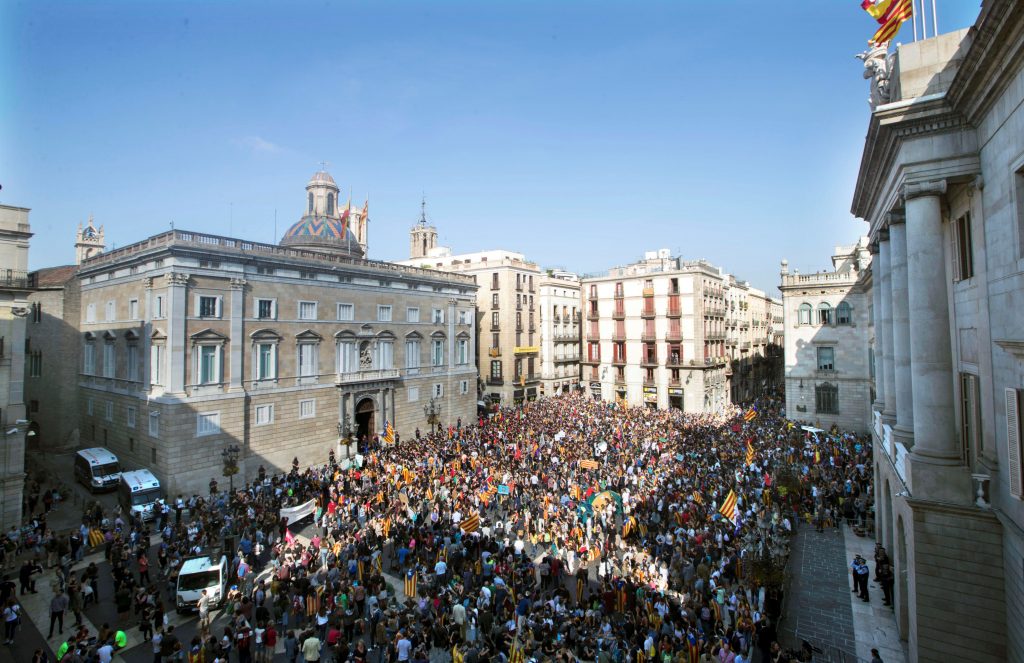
{"type": "Point", "coordinates": [818, 607]}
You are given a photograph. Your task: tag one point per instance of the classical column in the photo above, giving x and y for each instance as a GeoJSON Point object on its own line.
{"type": "Point", "coordinates": [177, 312]}
{"type": "Point", "coordinates": [876, 299]}
{"type": "Point", "coordinates": [904, 429]}
{"type": "Point", "coordinates": [935, 467]}
{"type": "Point", "coordinates": [889, 372]}
{"type": "Point", "coordinates": [237, 340]}
{"type": "Point", "coordinates": [145, 363]}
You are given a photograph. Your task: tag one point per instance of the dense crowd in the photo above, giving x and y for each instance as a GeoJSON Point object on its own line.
{"type": "Point", "coordinates": [566, 529]}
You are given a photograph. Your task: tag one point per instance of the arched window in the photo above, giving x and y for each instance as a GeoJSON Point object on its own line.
{"type": "Point", "coordinates": [824, 313]}
{"type": "Point", "coordinates": [844, 314]}
{"type": "Point", "coordinates": [330, 204]}
{"type": "Point", "coordinates": [805, 314]}
{"type": "Point", "coordinates": [310, 202]}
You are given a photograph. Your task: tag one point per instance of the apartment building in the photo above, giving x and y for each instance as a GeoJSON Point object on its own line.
{"type": "Point", "coordinates": [560, 317]}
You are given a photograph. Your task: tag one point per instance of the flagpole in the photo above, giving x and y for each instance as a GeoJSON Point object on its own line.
{"type": "Point", "coordinates": [913, 17]}
{"type": "Point", "coordinates": [924, 21]}
{"type": "Point", "coordinates": [935, 21]}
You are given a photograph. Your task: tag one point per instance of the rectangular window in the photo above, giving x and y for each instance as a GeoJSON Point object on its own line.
{"type": "Point", "coordinates": [307, 360]}
{"type": "Point", "coordinates": [826, 399]}
{"type": "Point", "coordinates": [133, 309]}
{"type": "Point", "coordinates": [265, 309]}
{"type": "Point", "coordinates": [494, 320]}
{"type": "Point", "coordinates": [464, 387]}
{"type": "Point", "coordinates": [111, 311]}
{"type": "Point", "coordinates": [412, 354]}
{"type": "Point", "coordinates": [1014, 442]}
{"type": "Point", "coordinates": [307, 408]}
{"type": "Point", "coordinates": [108, 413]}
{"type": "Point", "coordinates": [348, 360]}
{"type": "Point", "coordinates": [494, 300]}
{"type": "Point", "coordinates": [494, 280]}
{"type": "Point", "coordinates": [346, 312]}
{"type": "Point", "coordinates": [129, 416]}
{"type": "Point", "coordinates": [462, 351]}
{"type": "Point", "coordinates": [207, 423]}
{"type": "Point", "coordinates": [307, 310]}
{"type": "Point", "coordinates": [158, 306]}
{"type": "Point", "coordinates": [266, 368]}
{"type": "Point", "coordinates": [970, 417]}
{"type": "Point", "coordinates": [209, 364]}
{"type": "Point", "coordinates": [413, 394]}
{"type": "Point", "coordinates": [438, 390]}
{"type": "Point", "coordinates": [964, 248]}
{"type": "Point", "coordinates": [89, 359]}
{"type": "Point", "coordinates": [88, 406]}
{"type": "Point", "coordinates": [156, 364]}
{"type": "Point", "coordinates": [437, 353]}
{"type": "Point", "coordinates": [209, 306]}
{"type": "Point", "coordinates": [385, 355]}
{"type": "Point", "coordinates": [496, 369]}
{"type": "Point", "coordinates": [437, 316]}
{"type": "Point", "coordinates": [35, 364]}
{"type": "Point", "coordinates": [412, 314]}
{"type": "Point", "coordinates": [383, 313]}
{"type": "Point", "coordinates": [154, 423]}
{"type": "Point", "coordinates": [826, 359]}
{"type": "Point", "coordinates": [133, 363]}
{"type": "Point", "coordinates": [264, 415]}
{"type": "Point", "coordinates": [90, 313]}
{"type": "Point", "coordinates": [463, 317]}
{"type": "Point", "coordinates": [108, 360]}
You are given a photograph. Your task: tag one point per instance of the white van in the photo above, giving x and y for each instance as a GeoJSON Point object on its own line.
{"type": "Point", "coordinates": [97, 469]}
{"type": "Point", "coordinates": [201, 573]}
{"type": "Point", "coordinates": [138, 492]}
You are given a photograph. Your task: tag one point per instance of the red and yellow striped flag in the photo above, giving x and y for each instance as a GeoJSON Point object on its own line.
{"type": "Point", "coordinates": [750, 415]}
{"type": "Point", "coordinates": [750, 453]}
{"type": "Point", "coordinates": [470, 524]}
{"type": "Point", "coordinates": [890, 14]}
{"type": "Point", "coordinates": [729, 510]}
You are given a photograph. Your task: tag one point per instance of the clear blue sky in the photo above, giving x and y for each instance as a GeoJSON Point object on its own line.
{"type": "Point", "coordinates": [580, 133]}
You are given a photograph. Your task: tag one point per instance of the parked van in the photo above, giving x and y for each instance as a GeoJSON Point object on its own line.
{"type": "Point", "coordinates": [97, 469]}
{"type": "Point", "coordinates": [138, 492]}
{"type": "Point", "coordinates": [201, 573]}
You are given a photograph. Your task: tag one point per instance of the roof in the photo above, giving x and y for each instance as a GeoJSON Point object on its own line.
{"type": "Point", "coordinates": [140, 480]}
{"type": "Point", "coordinates": [197, 565]}
{"type": "Point", "coordinates": [323, 232]}
{"type": "Point", "coordinates": [321, 177]}
{"type": "Point", "coordinates": [53, 277]}
{"type": "Point", "coordinates": [98, 455]}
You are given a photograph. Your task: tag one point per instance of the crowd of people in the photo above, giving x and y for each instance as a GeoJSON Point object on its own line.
{"type": "Point", "coordinates": [561, 530]}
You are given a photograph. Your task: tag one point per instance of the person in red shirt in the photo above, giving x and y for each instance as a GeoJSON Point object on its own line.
{"type": "Point", "coordinates": [270, 638]}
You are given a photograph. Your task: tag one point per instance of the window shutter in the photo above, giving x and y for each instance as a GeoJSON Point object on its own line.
{"type": "Point", "coordinates": [1013, 441]}
{"type": "Point", "coordinates": [198, 311]}
{"type": "Point", "coordinates": [954, 234]}
{"type": "Point", "coordinates": [220, 307]}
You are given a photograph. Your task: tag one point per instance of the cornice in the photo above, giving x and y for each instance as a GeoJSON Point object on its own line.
{"type": "Point", "coordinates": [1014, 347]}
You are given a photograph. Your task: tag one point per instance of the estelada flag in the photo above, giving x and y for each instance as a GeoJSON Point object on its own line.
{"type": "Point", "coordinates": [389, 433]}
{"type": "Point", "coordinates": [729, 510]}
{"type": "Point", "coordinates": [470, 524]}
{"type": "Point", "coordinates": [410, 583]}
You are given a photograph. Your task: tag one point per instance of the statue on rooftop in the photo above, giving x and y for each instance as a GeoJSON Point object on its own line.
{"type": "Point", "coordinates": [877, 67]}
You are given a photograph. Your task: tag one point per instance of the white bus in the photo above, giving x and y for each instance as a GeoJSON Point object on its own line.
{"type": "Point", "coordinates": [97, 469]}
{"type": "Point", "coordinates": [138, 492]}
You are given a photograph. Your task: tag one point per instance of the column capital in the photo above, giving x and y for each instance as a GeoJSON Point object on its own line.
{"type": "Point", "coordinates": [920, 189]}
{"type": "Point", "coordinates": [237, 284]}
{"type": "Point", "coordinates": [895, 217]}
{"type": "Point", "coordinates": [883, 235]}
{"type": "Point", "coordinates": [177, 278]}
{"type": "Point", "coordinates": [873, 248]}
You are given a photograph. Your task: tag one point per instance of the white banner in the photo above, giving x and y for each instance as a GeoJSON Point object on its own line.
{"type": "Point", "coordinates": [296, 513]}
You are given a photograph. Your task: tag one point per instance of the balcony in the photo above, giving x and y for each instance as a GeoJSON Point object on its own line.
{"type": "Point", "coordinates": [648, 292]}
{"type": "Point", "coordinates": [674, 336]}
{"type": "Point", "coordinates": [647, 312]}
{"type": "Point", "coordinates": [590, 361]}
{"type": "Point", "coordinates": [18, 280]}
{"type": "Point", "coordinates": [619, 361]}
{"type": "Point", "coordinates": [566, 360]}
{"type": "Point", "coordinates": [674, 312]}
{"type": "Point", "coordinates": [745, 345]}
{"type": "Point", "coordinates": [714, 336]}
{"type": "Point", "coordinates": [717, 311]}
{"type": "Point", "coordinates": [674, 361]}
{"type": "Point", "coordinates": [527, 349]}
{"type": "Point", "coordinates": [495, 382]}
{"type": "Point", "coordinates": [593, 315]}
{"type": "Point", "coordinates": [376, 375]}
{"type": "Point", "coordinates": [648, 337]}
{"type": "Point", "coordinates": [495, 328]}
{"type": "Point", "coordinates": [649, 361]}
{"type": "Point", "coordinates": [557, 320]}
{"type": "Point", "coordinates": [619, 314]}
{"type": "Point", "coordinates": [494, 352]}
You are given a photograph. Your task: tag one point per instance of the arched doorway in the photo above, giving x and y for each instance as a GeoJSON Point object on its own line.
{"type": "Point", "coordinates": [365, 424]}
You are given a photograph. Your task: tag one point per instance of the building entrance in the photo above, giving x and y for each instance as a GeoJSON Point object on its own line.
{"type": "Point", "coordinates": [365, 420]}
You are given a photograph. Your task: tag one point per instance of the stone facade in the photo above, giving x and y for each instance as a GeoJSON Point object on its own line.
{"type": "Point", "coordinates": [51, 385]}
{"type": "Point", "coordinates": [508, 344]}
{"type": "Point", "coordinates": [15, 284]}
{"type": "Point", "coordinates": [941, 187]}
{"type": "Point", "coordinates": [560, 316]}
{"type": "Point", "coordinates": [828, 328]}
{"type": "Point", "coordinates": [656, 333]}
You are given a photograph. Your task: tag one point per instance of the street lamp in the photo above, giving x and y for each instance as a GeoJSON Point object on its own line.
{"type": "Point", "coordinates": [230, 457]}
{"type": "Point", "coordinates": [431, 411]}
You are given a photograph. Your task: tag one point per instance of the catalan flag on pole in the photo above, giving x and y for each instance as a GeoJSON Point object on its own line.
{"type": "Point", "coordinates": [729, 510]}
{"type": "Point", "coordinates": [890, 14]}
{"type": "Point", "coordinates": [389, 433]}
{"type": "Point", "coordinates": [471, 524]}
{"type": "Point", "coordinates": [697, 497]}
{"type": "Point", "coordinates": [410, 583]}
{"type": "Point", "coordinates": [750, 415]}
{"type": "Point", "coordinates": [750, 453]}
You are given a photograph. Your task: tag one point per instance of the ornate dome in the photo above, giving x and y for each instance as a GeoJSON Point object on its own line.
{"type": "Point", "coordinates": [323, 233]}
{"type": "Point", "coordinates": [322, 177]}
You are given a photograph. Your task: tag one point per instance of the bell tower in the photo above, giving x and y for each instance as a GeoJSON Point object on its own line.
{"type": "Point", "coordinates": [88, 241]}
{"type": "Point", "coordinates": [422, 236]}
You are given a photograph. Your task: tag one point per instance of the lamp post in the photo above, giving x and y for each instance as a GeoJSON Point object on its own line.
{"type": "Point", "coordinates": [431, 411]}
{"type": "Point", "coordinates": [230, 457]}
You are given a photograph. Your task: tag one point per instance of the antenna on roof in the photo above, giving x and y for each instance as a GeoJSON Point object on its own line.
{"type": "Point", "coordinates": [274, 239]}
{"type": "Point", "coordinates": [423, 210]}
{"type": "Point", "coordinates": [172, 224]}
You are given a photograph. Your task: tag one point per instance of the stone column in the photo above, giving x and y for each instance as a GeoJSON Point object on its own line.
{"type": "Point", "coordinates": [145, 363]}
{"type": "Point", "coordinates": [935, 468]}
{"type": "Point", "coordinates": [889, 374]}
{"type": "Point", "coordinates": [876, 299]}
{"type": "Point", "coordinates": [177, 311]}
{"type": "Point", "coordinates": [904, 428]}
{"type": "Point", "coordinates": [237, 334]}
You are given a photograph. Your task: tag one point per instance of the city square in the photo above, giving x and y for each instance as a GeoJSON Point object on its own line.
{"type": "Point", "coordinates": [402, 414]}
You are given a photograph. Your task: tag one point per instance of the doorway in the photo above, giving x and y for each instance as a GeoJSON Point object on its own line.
{"type": "Point", "coordinates": [675, 402]}
{"type": "Point", "coordinates": [365, 424]}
